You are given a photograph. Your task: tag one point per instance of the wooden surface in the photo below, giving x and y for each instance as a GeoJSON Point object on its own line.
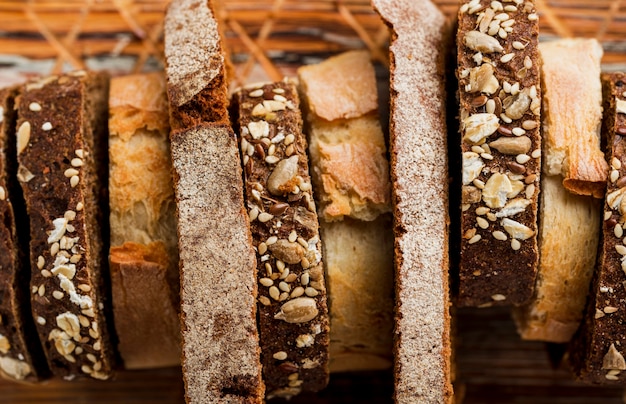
{"type": "Point", "coordinates": [494, 366]}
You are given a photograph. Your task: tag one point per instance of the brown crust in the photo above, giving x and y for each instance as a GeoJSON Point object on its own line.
{"type": "Point", "coordinates": [21, 357]}
{"type": "Point", "coordinates": [285, 233]}
{"type": "Point", "coordinates": [603, 325]}
{"type": "Point", "coordinates": [499, 252]}
{"type": "Point", "coordinates": [66, 247]}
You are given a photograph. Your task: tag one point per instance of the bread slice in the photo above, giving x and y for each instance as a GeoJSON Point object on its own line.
{"type": "Point", "coordinates": [144, 248]}
{"type": "Point", "coordinates": [420, 41]}
{"type": "Point", "coordinates": [350, 174]}
{"type": "Point", "coordinates": [569, 223]}
{"type": "Point", "coordinates": [597, 350]}
{"type": "Point", "coordinates": [21, 356]}
{"type": "Point", "coordinates": [61, 150]}
{"type": "Point", "coordinates": [293, 313]}
{"type": "Point", "coordinates": [221, 354]}
{"type": "Point", "coordinates": [500, 106]}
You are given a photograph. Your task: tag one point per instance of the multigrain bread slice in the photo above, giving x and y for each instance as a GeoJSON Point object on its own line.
{"type": "Point", "coordinates": [144, 249]}
{"type": "Point", "coordinates": [500, 102]}
{"type": "Point", "coordinates": [61, 150]}
{"type": "Point", "coordinates": [598, 348]}
{"type": "Point", "coordinates": [420, 42]}
{"type": "Point", "coordinates": [569, 223]}
{"type": "Point", "coordinates": [21, 356]}
{"type": "Point", "coordinates": [293, 314]}
{"type": "Point", "coordinates": [221, 354]}
{"type": "Point", "coordinates": [350, 175]}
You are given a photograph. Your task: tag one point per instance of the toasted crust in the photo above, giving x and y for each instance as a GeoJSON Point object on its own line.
{"type": "Point", "coordinates": [573, 99]}
{"type": "Point", "coordinates": [420, 38]}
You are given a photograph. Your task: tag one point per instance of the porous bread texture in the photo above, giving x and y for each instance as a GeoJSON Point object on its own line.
{"type": "Point", "coordinates": [346, 143]}
{"type": "Point", "coordinates": [220, 341]}
{"type": "Point", "coordinates": [573, 109]}
{"type": "Point", "coordinates": [568, 241]}
{"type": "Point", "coordinates": [420, 39]}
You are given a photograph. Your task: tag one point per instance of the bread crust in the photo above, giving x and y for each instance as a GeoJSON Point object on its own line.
{"type": "Point", "coordinates": [420, 37]}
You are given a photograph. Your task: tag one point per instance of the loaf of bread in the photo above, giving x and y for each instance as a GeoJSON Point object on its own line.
{"type": "Point", "coordinates": [144, 248]}
{"type": "Point", "coordinates": [569, 223]}
{"type": "Point", "coordinates": [421, 39]}
{"type": "Point", "coordinates": [220, 351]}
{"type": "Point", "coordinates": [351, 179]}
{"type": "Point", "coordinates": [293, 313]}
{"type": "Point", "coordinates": [500, 103]}
{"type": "Point", "coordinates": [21, 357]}
{"type": "Point", "coordinates": [598, 348]}
{"type": "Point", "coordinates": [61, 150]}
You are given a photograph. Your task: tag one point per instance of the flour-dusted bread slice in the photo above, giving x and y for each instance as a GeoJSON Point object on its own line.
{"type": "Point", "coordinates": [21, 356]}
{"type": "Point", "coordinates": [500, 103]}
{"type": "Point", "coordinates": [569, 222]}
{"type": "Point", "coordinates": [61, 151]}
{"type": "Point", "coordinates": [144, 248]}
{"type": "Point", "coordinates": [350, 174]}
{"type": "Point", "coordinates": [221, 354]}
{"type": "Point", "coordinates": [418, 148]}
{"type": "Point", "coordinates": [598, 348]}
{"type": "Point", "coordinates": [293, 313]}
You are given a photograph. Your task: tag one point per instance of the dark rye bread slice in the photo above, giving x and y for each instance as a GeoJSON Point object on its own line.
{"type": "Point", "coordinates": [293, 314]}
{"type": "Point", "coordinates": [421, 40]}
{"type": "Point", "coordinates": [598, 348]}
{"type": "Point", "coordinates": [499, 95]}
{"type": "Point", "coordinates": [21, 356]}
{"type": "Point", "coordinates": [61, 150]}
{"type": "Point", "coordinates": [221, 354]}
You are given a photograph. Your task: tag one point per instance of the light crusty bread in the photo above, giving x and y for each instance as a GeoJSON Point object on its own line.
{"type": "Point", "coordinates": [221, 354]}
{"type": "Point", "coordinates": [144, 250]}
{"type": "Point", "coordinates": [569, 225]}
{"type": "Point", "coordinates": [350, 169]}
{"type": "Point", "coordinates": [61, 150]}
{"type": "Point", "coordinates": [568, 241]}
{"type": "Point", "coordinates": [21, 357]}
{"type": "Point", "coordinates": [597, 350]}
{"type": "Point", "coordinates": [571, 71]}
{"type": "Point", "coordinates": [418, 148]}
{"type": "Point", "coordinates": [351, 178]}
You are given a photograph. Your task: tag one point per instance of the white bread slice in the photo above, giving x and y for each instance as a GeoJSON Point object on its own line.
{"type": "Point", "coordinates": [420, 199]}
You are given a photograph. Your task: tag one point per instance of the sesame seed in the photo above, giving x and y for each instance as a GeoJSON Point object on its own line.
{"type": "Point", "coordinates": [511, 8]}
{"type": "Point", "coordinates": [311, 292]}
{"type": "Point", "coordinates": [3, 194]}
{"type": "Point", "coordinates": [283, 296]}
{"type": "Point", "coordinates": [293, 236]}
{"type": "Point", "coordinates": [614, 175]}
{"type": "Point", "coordinates": [264, 300]}
{"type": "Point", "coordinates": [515, 244]}
{"type": "Point", "coordinates": [289, 139]}
{"type": "Point", "coordinates": [272, 159]}
{"type": "Point", "coordinates": [74, 259]}
{"type": "Point", "coordinates": [498, 297]}
{"type": "Point", "coordinates": [274, 293]}
{"type": "Point", "coordinates": [74, 181]}
{"type": "Point", "coordinates": [265, 217]}
{"type": "Point", "coordinates": [536, 153]}
{"type": "Point", "coordinates": [518, 131]}
{"type": "Point", "coordinates": [41, 320]}
{"type": "Point", "coordinates": [57, 294]}
{"type": "Point", "coordinates": [528, 63]}
{"type": "Point", "coordinates": [76, 162]}
{"type": "Point", "coordinates": [496, 6]}
{"type": "Point", "coordinates": [611, 377]}
{"type": "Point", "coordinates": [616, 163]}
{"type": "Point", "coordinates": [297, 292]}
{"type": "Point", "coordinates": [284, 286]}
{"type": "Point", "coordinates": [482, 223]}
{"type": "Point", "coordinates": [621, 249]}
{"type": "Point", "coordinates": [54, 249]}
{"type": "Point", "coordinates": [515, 88]}
{"type": "Point", "coordinates": [508, 23]}
{"type": "Point", "coordinates": [268, 267]}
{"type": "Point", "coordinates": [490, 106]}
{"type": "Point", "coordinates": [34, 106]}
{"type": "Point", "coordinates": [262, 248]}
{"type": "Point", "coordinates": [464, 8]}
{"type": "Point", "coordinates": [507, 58]}
{"type": "Point", "coordinates": [505, 118]}
{"type": "Point", "coordinates": [84, 287]}
{"type": "Point", "coordinates": [291, 278]}
{"type": "Point", "coordinates": [498, 235]}
{"type": "Point", "coordinates": [280, 98]}
{"type": "Point", "coordinates": [45, 273]}
{"type": "Point", "coordinates": [41, 290]}
{"type": "Point", "coordinates": [79, 206]}
{"type": "Point", "coordinates": [502, 33]}
{"type": "Point", "coordinates": [305, 263]}
{"type": "Point", "coordinates": [533, 17]}
{"type": "Point", "coordinates": [70, 172]}
{"type": "Point", "coordinates": [281, 355]}
{"type": "Point", "coordinates": [530, 191]}
{"type": "Point", "coordinates": [522, 158]}
{"type": "Point", "coordinates": [518, 45]}
{"type": "Point", "coordinates": [609, 309]}
{"type": "Point", "coordinates": [254, 214]}
{"type": "Point", "coordinates": [305, 278]}
{"type": "Point", "coordinates": [474, 239]}
{"type": "Point", "coordinates": [88, 312]}
{"type": "Point", "coordinates": [271, 240]}
{"type": "Point", "coordinates": [599, 314]}
{"type": "Point", "coordinates": [491, 216]}
{"type": "Point", "coordinates": [267, 282]}
{"type": "Point", "coordinates": [40, 262]}
{"type": "Point", "coordinates": [284, 273]}
{"type": "Point", "coordinates": [482, 210]}
{"type": "Point", "coordinates": [256, 93]}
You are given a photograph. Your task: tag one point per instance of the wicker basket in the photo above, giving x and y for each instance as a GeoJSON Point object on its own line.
{"type": "Point", "coordinates": [268, 39]}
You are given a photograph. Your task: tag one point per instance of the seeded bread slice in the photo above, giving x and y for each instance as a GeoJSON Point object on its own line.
{"type": "Point", "coordinates": [293, 315]}
{"type": "Point", "coordinates": [21, 356]}
{"type": "Point", "coordinates": [221, 354]}
{"type": "Point", "coordinates": [500, 103]}
{"type": "Point", "coordinates": [419, 174]}
{"type": "Point", "coordinates": [61, 150]}
{"type": "Point", "coordinates": [598, 348]}
{"type": "Point", "coordinates": [144, 248]}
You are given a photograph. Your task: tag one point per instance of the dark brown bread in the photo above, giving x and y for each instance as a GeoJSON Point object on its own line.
{"type": "Point", "coordinates": [293, 314]}
{"type": "Point", "coordinates": [419, 173]}
{"type": "Point", "coordinates": [221, 354]}
{"type": "Point", "coordinates": [499, 92]}
{"type": "Point", "coordinates": [598, 348]}
{"type": "Point", "coordinates": [61, 147]}
{"type": "Point", "coordinates": [21, 356]}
